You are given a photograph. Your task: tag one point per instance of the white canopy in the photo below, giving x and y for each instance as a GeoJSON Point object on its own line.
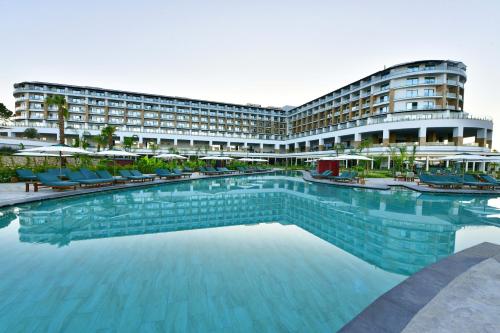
{"type": "Point", "coordinates": [464, 157]}
{"type": "Point", "coordinates": [345, 158]}
{"type": "Point", "coordinates": [171, 157]}
{"type": "Point", "coordinates": [216, 158]}
{"type": "Point", "coordinates": [115, 152]}
{"type": "Point", "coordinates": [58, 149]}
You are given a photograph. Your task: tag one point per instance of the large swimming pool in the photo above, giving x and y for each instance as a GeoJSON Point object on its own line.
{"type": "Point", "coordinates": [252, 253]}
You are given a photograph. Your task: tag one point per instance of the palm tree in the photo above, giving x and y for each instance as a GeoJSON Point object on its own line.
{"type": "Point", "coordinates": [100, 140]}
{"type": "Point", "coordinates": [62, 112]}
{"type": "Point", "coordinates": [108, 132]}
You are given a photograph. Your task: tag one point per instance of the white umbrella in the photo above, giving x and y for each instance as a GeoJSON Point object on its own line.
{"type": "Point", "coordinates": [115, 152]}
{"type": "Point", "coordinates": [171, 157]}
{"type": "Point", "coordinates": [36, 154]}
{"type": "Point", "coordinates": [60, 149]}
{"type": "Point", "coordinates": [247, 159]}
{"type": "Point", "coordinates": [216, 158]}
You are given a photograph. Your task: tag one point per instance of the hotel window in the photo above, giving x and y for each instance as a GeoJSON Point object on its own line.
{"type": "Point", "coordinates": [412, 93]}
{"type": "Point", "coordinates": [429, 92]}
{"type": "Point", "coordinates": [413, 68]}
{"type": "Point", "coordinates": [383, 109]}
{"type": "Point", "coordinates": [411, 106]}
{"type": "Point", "coordinates": [430, 80]}
{"type": "Point", "coordinates": [412, 81]}
{"type": "Point", "coordinates": [383, 98]}
{"type": "Point", "coordinates": [429, 105]}
{"type": "Point", "coordinates": [430, 67]}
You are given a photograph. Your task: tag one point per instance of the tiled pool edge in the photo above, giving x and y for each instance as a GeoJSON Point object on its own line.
{"type": "Point", "coordinates": [392, 311]}
{"type": "Point", "coordinates": [116, 187]}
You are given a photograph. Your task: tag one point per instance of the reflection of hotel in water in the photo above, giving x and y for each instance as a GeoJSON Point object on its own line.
{"type": "Point", "coordinates": [397, 231]}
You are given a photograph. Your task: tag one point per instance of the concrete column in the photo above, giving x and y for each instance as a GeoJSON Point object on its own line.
{"type": "Point", "coordinates": [158, 141]}
{"type": "Point", "coordinates": [191, 143]}
{"type": "Point", "coordinates": [296, 146]}
{"type": "Point", "coordinates": [122, 139]}
{"type": "Point", "coordinates": [276, 148]}
{"type": "Point", "coordinates": [427, 163]}
{"type": "Point", "coordinates": [261, 147]}
{"type": "Point", "coordinates": [481, 137]}
{"type": "Point", "coordinates": [321, 145]}
{"type": "Point", "coordinates": [482, 166]}
{"type": "Point", "coordinates": [175, 142]}
{"type": "Point", "coordinates": [385, 137]}
{"type": "Point", "coordinates": [388, 162]}
{"type": "Point", "coordinates": [458, 136]}
{"type": "Point", "coordinates": [141, 139]}
{"type": "Point", "coordinates": [308, 146]}
{"type": "Point", "coordinates": [357, 139]}
{"type": "Point", "coordinates": [422, 136]}
{"type": "Point", "coordinates": [337, 139]}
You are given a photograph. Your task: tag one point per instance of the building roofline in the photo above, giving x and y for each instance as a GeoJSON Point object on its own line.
{"type": "Point", "coordinates": [379, 72]}
{"type": "Point", "coordinates": [250, 105]}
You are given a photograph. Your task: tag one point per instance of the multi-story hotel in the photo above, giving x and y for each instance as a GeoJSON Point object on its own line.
{"type": "Point", "coordinates": [418, 103]}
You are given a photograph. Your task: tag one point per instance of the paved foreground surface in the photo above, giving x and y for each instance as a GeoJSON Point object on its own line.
{"type": "Point", "coordinates": [460, 293]}
{"type": "Point", "coordinates": [470, 303]}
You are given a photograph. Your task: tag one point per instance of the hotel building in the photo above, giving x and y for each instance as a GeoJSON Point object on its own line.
{"type": "Point", "coordinates": [418, 103]}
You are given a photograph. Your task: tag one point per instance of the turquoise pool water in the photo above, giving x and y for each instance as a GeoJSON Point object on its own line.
{"type": "Point", "coordinates": [253, 253]}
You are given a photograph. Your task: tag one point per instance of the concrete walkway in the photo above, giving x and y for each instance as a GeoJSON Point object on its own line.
{"type": "Point", "coordinates": [460, 293]}
{"type": "Point", "coordinates": [387, 183]}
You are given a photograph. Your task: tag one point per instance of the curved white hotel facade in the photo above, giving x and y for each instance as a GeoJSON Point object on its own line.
{"type": "Point", "coordinates": [418, 103]}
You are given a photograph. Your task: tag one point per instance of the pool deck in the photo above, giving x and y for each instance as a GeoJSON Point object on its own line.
{"type": "Point", "coordinates": [387, 183]}
{"type": "Point", "coordinates": [460, 293]}
{"type": "Point", "coordinates": [15, 194]}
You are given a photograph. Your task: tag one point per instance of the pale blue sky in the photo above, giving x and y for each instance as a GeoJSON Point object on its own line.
{"type": "Point", "coordinates": [265, 52]}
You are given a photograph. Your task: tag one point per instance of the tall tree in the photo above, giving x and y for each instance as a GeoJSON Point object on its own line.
{"type": "Point", "coordinates": [62, 112]}
{"type": "Point", "coordinates": [4, 112]}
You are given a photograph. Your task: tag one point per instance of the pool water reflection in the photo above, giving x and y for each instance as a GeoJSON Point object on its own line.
{"type": "Point", "coordinates": [252, 253]}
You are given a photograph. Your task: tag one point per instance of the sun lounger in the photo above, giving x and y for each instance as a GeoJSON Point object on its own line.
{"type": "Point", "coordinates": [49, 180]}
{"type": "Point", "coordinates": [345, 176]}
{"type": "Point", "coordinates": [164, 173]}
{"type": "Point", "coordinates": [77, 176]}
{"type": "Point", "coordinates": [137, 173]}
{"type": "Point", "coordinates": [324, 174]}
{"type": "Point", "coordinates": [58, 172]}
{"type": "Point", "coordinates": [439, 181]}
{"type": "Point", "coordinates": [104, 174]}
{"type": "Point", "coordinates": [243, 170]}
{"type": "Point", "coordinates": [490, 179]}
{"type": "Point", "coordinates": [93, 175]}
{"type": "Point", "coordinates": [212, 171]}
{"type": "Point", "coordinates": [472, 181]}
{"type": "Point", "coordinates": [225, 170]}
{"type": "Point", "coordinates": [180, 173]}
{"type": "Point", "coordinates": [126, 174]}
{"type": "Point", "coordinates": [26, 175]}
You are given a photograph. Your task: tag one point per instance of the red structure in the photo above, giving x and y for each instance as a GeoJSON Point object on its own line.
{"type": "Point", "coordinates": [329, 165]}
